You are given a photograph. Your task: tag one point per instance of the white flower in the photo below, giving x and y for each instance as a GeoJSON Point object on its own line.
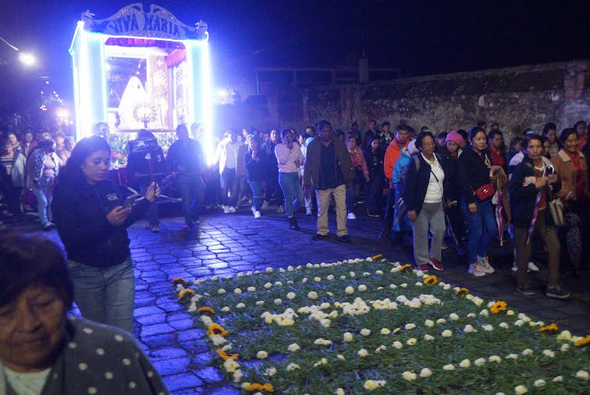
{"type": "Point", "coordinates": [330, 277]}
{"type": "Point", "coordinates": [582, 375]}
{"type": "Point", "coordinates": [312, 295]}
{"type": "Point", "coordinates": [379, 272]}
{"type": "Point", "coordinates": [325, 323]}
{"type": "Point", "coordinates": [441, 321]}
{"type": "Point", "coordinates": [447, 286]}
{"type": "Point", "coordinates": [259, 302]}
{"type": "Point", "coordinates": [484, 313]}
{"type": "Point", "coordinates": [278, 301]}
{"type": "Point", "coordinates": [428, 338]}
{"type": "Point", "coordinates": [339, 391]}
{"type": "Point", "coordinates": [237, 291]}
{"type": "Point", "coordinates": [521, 389]}
{"type": "Point", "coordinates": [519, 322]}
{"type": "Point", "coordinates": [290, 268]}
{"type": "Point", "coordinates": [269, 270]}
{"type": "Point", "coordinates": [411, 342]}
{"type": "Point", "coordinates": [429, 323]}
{"type": "Point", "coordinates": [495, 358]}
{"type": "Point", "coordinates": [453, 317]}
{"type": "Point", "coordinates": [419, 284]}
{"type": "Point", "coordinates": [349, 290]}
{"type": "Point", "coordinates": [363, 353]}
{"type": "Point", "coordinates": [251, 289]}
{"type": "Point", "coordinates": [342, 277]}
{"type": "Point", "coordinates": [471, 315]}
{"type": "Point", "coordinates": [225, 309]}
{"type": "Point", "coordinates": [548, 353]}
{"type": "Point", "coordinates": [409, 376]}
{"type": "Point", "coordinates": [528, 351]}
{"type": "Point", "coordinates": [270, 372]}
{"type": "Point", "coordinates": [362, 288]}
{"type": "Point", "coordinates": [404, 285]}
{"type": "Point", "coordinates": [565, 347]}
{"type": "Point", "coordinates": [479, 362]}
{"type": "Point", "coordinates": [469, 329]}
{"type": "Point", "coordinates": [352, 274]}
{"type": "Point", "coordinates": [449, 367]}
{"type": "Point", "coordinates": [503, 325]}
{"type": "Point", "coordinates": [294, 347]}
{"type": "Point", "coordinates": [261, 355]}
{"type": "Point", "coordinates": [218, 340]}
{"type": "Point", "coordinates": [221, 291]}
{"type": "Point", "coordinates": [539, 383]}
{"type": "Point", "coordinates": [447, 333]}
{"type": "Point", "coordinates": [425, 373]}
{"type": "Point", "coordinates": [380, 348]}
{"type": "Point", "coordinates": [564, 335]}
{"type": "Point", "coordinates": [512, 356]}
{"type": "Point", "coordinates": [370, 385]}
{"type": "Point", "coordinates": [510, 312]}
{"type": "Point", "coordinates": [240, 306]}
{"type": "Point", "coordinates": [487, 327]}
{"type": "Point", "coordinates": [214, 278]}
{"type": "Point", "coordinates": [268, 285]}
{"type": "Point", "coordinates": [279, 284]}
{"type": "Point", "coordinates": [385, 331]}
{"type": "Point", "coordinates": [410, 326]}
{"type": "Point", "coordinates": [322, 342]}
{"type": "Point", "coordinates": [304, 280]}
{"type": "Point", "coordinates": [365, 332]}
{"type": "Point", "coordinates": [348, 337]}
{"type": "Point", "coordinates": [397, 345]}
{"type": "Point", "coordinates": [292, 366]}
{"type": "Point", "coordinates": [291, 295]}
{"type": "Point", "coordinates": [557, 379]}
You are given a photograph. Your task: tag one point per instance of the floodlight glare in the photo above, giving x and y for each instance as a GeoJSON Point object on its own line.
{"type": "Point", "coordinates": [26, 58]}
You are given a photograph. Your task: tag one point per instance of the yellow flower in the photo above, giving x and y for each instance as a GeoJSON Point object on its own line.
{"type": "Point", "coordinates": [216, 329]}
{"type": "Point", "coordinates": [549, 328]}
{"type": "Point", "coordinates": [498, 307]}
{"type": "Point", "coordinates": [260, 387]}
{"type": "Point", "coordinates": [404, 267]}
{"type": "Point", "coordinates": [461, 291]}
{"type": "Point", "coordinates": [206, 309]}
{"type": "Point", "coordinates": [223, 355]}
{"type": "Point", "coordinates": [377, 257]}
{"type": "Point", "coordinates": [582, 342]}
{"type": "Point", "coordinates": [179, 280]}
{"type": "Point", "coordinates": [430, 280]}
{"type": "Point", "coordinates": [184, 293]}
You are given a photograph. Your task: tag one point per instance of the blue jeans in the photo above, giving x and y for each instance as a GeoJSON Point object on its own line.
{"type": "Point", "coordinates": [291, 187]}
{"type": "Point", "coordinates": [482, 229]}
{"type": "Point", "coordinates": [229, 187]}
{"type": "Point", "coordinates": [105, 295]}
{"type": "Point", "coordinates": [257, 194]}
{"type": "Point", "coordinates": [44, 196]}
{"type": "Point", "coordinates": [192, 192]}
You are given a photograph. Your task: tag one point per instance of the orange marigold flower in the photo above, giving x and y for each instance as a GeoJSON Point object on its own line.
{"type": "Point", "coordinates": [216, 329]}
{"type": "Point", "coordinates": [260, 387]}
{"type": "Point", "coordinates": [583, 341]}
{"type": "Point", "coordinates": [179, 280]}
{"type": "Point", "coordinates": [462, 291]}
{"type": "Point", "coordinates": [498, 307]}
{"type": "Point", "coordinates": [549, 328]}
{"type": "Point", "coordinates": [184, 293]}
{"type": "Point", "coordinates": [430, 280]}
{"type": "Point", "coordinates": [206, 309]}
{"type": "Point", "coordinates": [223, 355]}
{"type": "Point", "coordinates": [377, 257]}
{"type": "Point", "coordinates": [406, 266]}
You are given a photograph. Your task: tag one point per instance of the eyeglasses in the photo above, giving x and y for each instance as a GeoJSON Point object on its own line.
{"type": "Point", "coordinates": [428, 144]}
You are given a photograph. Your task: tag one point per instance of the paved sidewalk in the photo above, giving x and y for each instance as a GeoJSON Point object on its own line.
{"type": "Point", "coordinates": [227, 244]}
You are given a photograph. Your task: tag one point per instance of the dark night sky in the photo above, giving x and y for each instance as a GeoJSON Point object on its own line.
{"type": "Point", "coordinates": [420, 37]}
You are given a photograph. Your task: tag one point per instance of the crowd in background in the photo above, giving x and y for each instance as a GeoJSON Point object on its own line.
{"type": "Point", "coordinates": [458, 189]}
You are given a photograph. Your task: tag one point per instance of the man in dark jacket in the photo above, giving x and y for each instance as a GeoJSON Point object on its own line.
{"type": "Point", "coordinates": [186, 159]}
{"type": "Point", "coordinates": [329, 167]}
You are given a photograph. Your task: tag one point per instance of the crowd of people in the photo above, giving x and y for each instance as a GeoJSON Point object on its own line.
{"type": "Point", "coordinates": [455, 189]}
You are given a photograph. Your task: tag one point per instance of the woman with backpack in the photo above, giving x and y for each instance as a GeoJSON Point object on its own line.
{"type": "Point", "coordinates": [424, 196]}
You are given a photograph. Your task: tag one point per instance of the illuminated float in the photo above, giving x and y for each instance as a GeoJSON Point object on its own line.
{"type": "Point", "coordinates": [142, 70]}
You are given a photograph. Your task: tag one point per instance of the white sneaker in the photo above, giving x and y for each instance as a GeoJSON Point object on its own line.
{"type": "Point", "coordinates": [226, 210]}
{"type": "Point", "coordinates": [232, 209]}
{"type": "Point", "coordinates": [257, 214]}
{"type": "Point", "coordinates": [533, 267]}
{"type": "Point", "coordinates": [351, 216]}
{"type": "Point", "coordinates": [485, 265]}
{"type": "Point", "coordinates": [265, 205]}
{"type": "Point", "coordinates": [252, 209]}
{"type": "Point", "coordinates": [476, 270]}
{"type": "Point", "coordinates": [280, 210]}
{"type": "Point", "coordinates": [308, 211]}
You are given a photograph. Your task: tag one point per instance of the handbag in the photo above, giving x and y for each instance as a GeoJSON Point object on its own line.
{"type": "Point", "coordinates": [484, 192]}
{"type": "Point", "coordinates": [556, 210]}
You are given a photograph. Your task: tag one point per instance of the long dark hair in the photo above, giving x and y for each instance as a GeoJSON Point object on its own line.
{"type": "Point", "coordinates": [72, 173]}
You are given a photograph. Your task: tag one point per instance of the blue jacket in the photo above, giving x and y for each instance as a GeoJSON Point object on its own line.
{"type": "Point", "coordinates": [400, 167]}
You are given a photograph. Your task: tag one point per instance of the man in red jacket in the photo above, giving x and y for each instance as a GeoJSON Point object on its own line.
{"type": "Point", "coordinates": [393, 153]}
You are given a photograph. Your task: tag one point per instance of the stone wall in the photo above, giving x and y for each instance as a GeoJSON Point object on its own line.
{"type": "Point", "coordinates": [516, 98]}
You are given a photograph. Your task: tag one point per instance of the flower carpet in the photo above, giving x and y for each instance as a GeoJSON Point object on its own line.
{"type": "Point", "coordinates": [371, 326]}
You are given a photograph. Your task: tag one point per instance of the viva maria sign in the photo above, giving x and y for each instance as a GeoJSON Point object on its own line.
{"type": "Point", "coordinates": [134, 21]}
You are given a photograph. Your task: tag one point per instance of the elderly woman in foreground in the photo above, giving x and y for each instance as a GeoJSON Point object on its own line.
{"type": "Point", "coordinates": [42, 351]}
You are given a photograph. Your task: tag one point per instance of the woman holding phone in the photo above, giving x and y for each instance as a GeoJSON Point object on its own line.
{"type": "Point", "coordinates": [92, 223]}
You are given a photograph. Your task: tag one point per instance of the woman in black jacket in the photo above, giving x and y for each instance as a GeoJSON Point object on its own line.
{"type": "Point", "coordinates": [257, 163]}
{"type": "Point", "coordinates": [92, 222]}
{"type": "Point", "coordinates": [375, 156]}
{"type": "Point", "coordinates": [531, 189]}
{"type": "Point", "coordinates": [424, 196]}
{"type": "Point", "coordinates": [476, 174]}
